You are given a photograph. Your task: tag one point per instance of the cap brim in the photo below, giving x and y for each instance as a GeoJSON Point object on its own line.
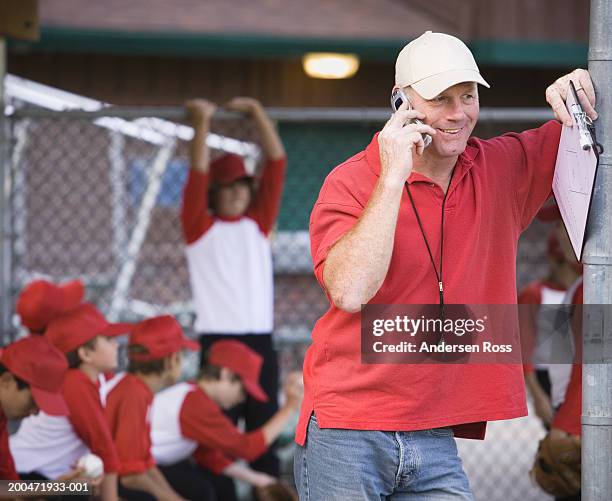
{"type": "Point", "coordinates": [48, 402]}
{"type": "Point", "coordinates": [190, 344]}
{"type": "Point", "coordinates": [255, 390]}
{"type": "Point", "coordinates": [74, 292]}
{"type": "Point", "coordinates": [117, 329]}
{"type": "Point", "coordinates": [230, 180]}
{"type": "Point", "coordinates": [430, 87]}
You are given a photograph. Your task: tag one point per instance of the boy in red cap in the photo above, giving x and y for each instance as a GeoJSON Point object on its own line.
{"type": "Point", "coordinates": [188, 417]}
{"type": "Point", "coordinates": [48, 446]}
{"type": "Point", "coordinates": [40, 301]}
{"type": "Point", "coordinates": [155, 362]}
{"type": "Point", "coordinates": [31, 374]}
{"type": "Point", "coordinates": [226, 223]}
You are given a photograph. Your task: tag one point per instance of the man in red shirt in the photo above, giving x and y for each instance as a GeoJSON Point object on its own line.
{"type": "Point", "coordinates": [154, 351]}
{"type": "Point", "coordinates": [50, 446]}
{"type": "Point", "coordinates": [369, 431]}
{"type": "Point", "coordinates": [31, 374]}
{"type": "Point", "coordinates": [188, 419]}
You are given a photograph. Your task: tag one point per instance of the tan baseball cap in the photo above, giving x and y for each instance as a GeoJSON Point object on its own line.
{"type": "Point", "coordinates": [434, 62]}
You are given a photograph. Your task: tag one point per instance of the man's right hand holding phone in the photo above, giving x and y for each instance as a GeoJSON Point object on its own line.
{"type": "Point", "coordinates": [397, 141]}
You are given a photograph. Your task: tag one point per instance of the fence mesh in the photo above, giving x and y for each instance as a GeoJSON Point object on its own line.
{"type": "Point", "coordinates": [99, 199]}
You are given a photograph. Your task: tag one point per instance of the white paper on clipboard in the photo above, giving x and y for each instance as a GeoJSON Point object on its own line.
{"type": "Point", "coordinates": [573, 181]}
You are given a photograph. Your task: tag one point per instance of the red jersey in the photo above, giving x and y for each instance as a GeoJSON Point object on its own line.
{"type": "Point", "coordinates": [87, 417]}
{"type": "Point", "coordinates": [127, 411]}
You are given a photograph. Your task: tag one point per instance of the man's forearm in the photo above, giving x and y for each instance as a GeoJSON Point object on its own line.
{"type": "Point", "coordinates": [357, 264]}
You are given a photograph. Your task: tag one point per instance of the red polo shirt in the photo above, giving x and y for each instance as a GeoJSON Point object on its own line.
{"type": "Point", "coordinates": [127, 412]}
{"type": "Point", "coordinates": [497, 187]}
{"type": "Point", "coordinates": [7, 465]}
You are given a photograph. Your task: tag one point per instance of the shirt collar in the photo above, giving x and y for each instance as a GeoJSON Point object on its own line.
{"type": "Point", "coordinates": [230, 219]}
{"type": "Point", "coordinates": [464, 162]}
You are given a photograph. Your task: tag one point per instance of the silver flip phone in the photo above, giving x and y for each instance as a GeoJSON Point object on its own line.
{"type": "Point", "coordinates": [397, 98]}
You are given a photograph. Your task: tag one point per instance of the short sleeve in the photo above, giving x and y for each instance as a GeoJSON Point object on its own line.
{"type": "Point", "coordinates": [329, 222]}
{"type": "Point", "coordinates": [528, 168]}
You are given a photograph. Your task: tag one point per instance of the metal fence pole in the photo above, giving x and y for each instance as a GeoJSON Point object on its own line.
{"type": "Point", "coordinates": [5, 236]}
{"type": "Point", "coordinates": [285, 115]}
{"type": "Point", "coordinates": [597, 378]}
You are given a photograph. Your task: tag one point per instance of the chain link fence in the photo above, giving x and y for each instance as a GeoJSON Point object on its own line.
{"type": "Point", "coordinates": [97, 196]}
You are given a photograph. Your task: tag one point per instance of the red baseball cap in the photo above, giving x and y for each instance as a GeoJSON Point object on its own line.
{"type": "Point", "coordinates": [40, 364]}
{"type": "Point", "coordinates": [74, 328]}
{"type": "Point", "coordinates": [42, 300]}
{"type": "Point", "coordinates": [242, 360]}
{"type": "Point", "coordinates": [226, 169]}
{"type": "Point", "coordinates": [161, 336]}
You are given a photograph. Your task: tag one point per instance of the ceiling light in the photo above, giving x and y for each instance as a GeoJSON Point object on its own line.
{"type": "Point", "coordinates": [330, 65]}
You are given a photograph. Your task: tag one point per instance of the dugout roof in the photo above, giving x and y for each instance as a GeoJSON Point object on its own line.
{"type": "Point", "coordinates": [520, 32]}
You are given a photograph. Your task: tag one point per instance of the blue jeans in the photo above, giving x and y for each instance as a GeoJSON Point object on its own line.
{"type": "Point", "coordinates": [352, 465]}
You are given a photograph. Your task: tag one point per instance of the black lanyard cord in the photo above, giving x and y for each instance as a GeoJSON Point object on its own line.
{"type": "Point", "coordinates": [439, 275]}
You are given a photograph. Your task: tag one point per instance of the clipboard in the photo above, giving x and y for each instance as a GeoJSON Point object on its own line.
{"type": "Point", "coordinates": [575, 172]}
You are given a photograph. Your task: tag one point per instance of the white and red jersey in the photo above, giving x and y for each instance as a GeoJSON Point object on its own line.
{"type": "Point", "coordinates": [47, 445]}
{"type": "Point", "coordinates": [169, 445]}
{"type": "Point", "coordinates": [51, 445]}
{"type": "Point", "coordinates": [538, 324]}
{"type": "Point", "coordinates": [230, 260]}
{"type": "Point", "coordinates": [567, 417]}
